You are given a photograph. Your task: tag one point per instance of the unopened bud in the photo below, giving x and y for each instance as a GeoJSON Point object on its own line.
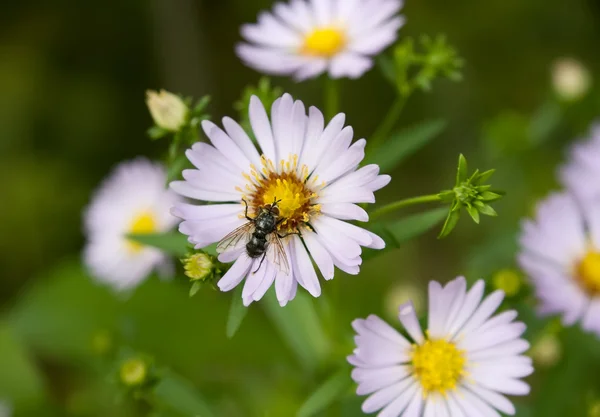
{"type": "Point", "coordinates": [571, 80]}
{"type": "Point", "coordinates": [167, 109]}
{"type": "Point", "coordinates": [547, 351]}
{"type": "Point", "coordinates": [401, 294]}
{"type": "Point", "coordinates": [198, 266]}
{"type": "Point", "coordinates": [507, 280]}
{"type": "Point", "coordinates": [133, 372]}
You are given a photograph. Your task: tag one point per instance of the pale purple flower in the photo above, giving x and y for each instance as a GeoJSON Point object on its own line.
{"type": "Point", "coordinates": [463, 365]}
{"type": "Point", "coordinates": [132, 200]}
{"type": "Point", "coordinates": [581, 173]}
{"type": "Point", "coordinates": [310, 168]}
{"type": "Point", "coordinates": [560, 252]}
{"type": "Point", "coordinates": [305, 38]}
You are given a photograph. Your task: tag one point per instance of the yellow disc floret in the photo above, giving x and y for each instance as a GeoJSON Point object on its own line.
{"type": "Point", "coordinates": [324, 42]}
{"type": "Point", "coordinates": [289, 185]}
{"type": "Point", "coordinates": [588, 272]}
{"type": "Point", "coordinates": [142, 224]}
{"type": "Point", "coordinates": [438, 365]}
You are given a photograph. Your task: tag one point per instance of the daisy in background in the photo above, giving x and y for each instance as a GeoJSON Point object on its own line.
{"type": "Point", "coordinates": [560, 252]}
{"type": "Point", "coordinates": [310, 170]}
{"type": "Point", "coordinates": [132, 200]}
{"type": "Point", "coordinates": [581, 174]}
{"type": "Point", "coordinates": [305, 38]}
{"type": "Point", "coordinates": [463, 365]}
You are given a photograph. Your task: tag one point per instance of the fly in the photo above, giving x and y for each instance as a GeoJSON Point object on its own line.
{"type": "Point", "coordinates": [260, 237]}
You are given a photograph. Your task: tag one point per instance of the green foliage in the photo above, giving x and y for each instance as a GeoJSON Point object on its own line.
{"type": "Point", "coordinates": [470, 193]}
{"type": "Point", "coordinates": [327, 393]}
{"type": "Point", "coordinates": [237, 312]}
{"type": "Point", "coordinates": [176, 394]}
{"type": "Point", "coordinates": [267, 94]}
{"type": "Point", "coordinates": [404, 143]}
{"type": "Point", "coordinates": [416, 67]}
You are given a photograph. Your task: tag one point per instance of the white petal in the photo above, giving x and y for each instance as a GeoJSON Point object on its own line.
{"type": "Point", "coordinates": [396, 407]}
{"type": "Point", "coordinates": [483, 312]}
{"type": "Point", "coordinates": [320, 255]}
{"type": "Point", "coordinates": [415, 406]}
{"type": "Point", "coordinates": [465, 310]}
{"type": "Point", "coordinates": [408, 318]}
{"type": "Point", "coordinates": [349, 65]}
{"type": "Point", "coordinates": [345, 211]}
{"type": "Point", "coordinates": [303, 269]}
{"type": "Point", "coordinates": [385, 396]}
{"type": "Point", "coordinates": [262, 128]}
{"type": "Point", "coordinates": [236, 273]}
{"type": "Point", "coordinates": [242, 140]}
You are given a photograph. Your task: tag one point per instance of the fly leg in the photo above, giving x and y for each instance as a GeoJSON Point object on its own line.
{"type": "Point", "coordinates": [261, 262]}
{"type": "Point", "coordinates": [246, 212]}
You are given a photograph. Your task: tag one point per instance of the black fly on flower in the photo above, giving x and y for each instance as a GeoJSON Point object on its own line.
{"type": "Point", "coordinates": [260, 237]}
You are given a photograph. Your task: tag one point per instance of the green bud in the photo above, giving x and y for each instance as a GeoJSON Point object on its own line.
{"type": "Point", "coordinates": [133, 372]}
{"type": "Point", "coordinates": [470, 193]}
{"type": "Point", "coordinates": [198, 266]}
{"type": "Point", "coordinates": [168, 110]}
{"type": "Point", "coordinates": [264, 91]}
{"type": "Point", "coordinates": [507, 280]}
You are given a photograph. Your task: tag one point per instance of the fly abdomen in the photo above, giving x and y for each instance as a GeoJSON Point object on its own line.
{"type": "Point", "coordinates": [256, 246]}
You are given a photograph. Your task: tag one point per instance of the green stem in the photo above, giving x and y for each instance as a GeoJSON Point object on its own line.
{"type": "Point", "coordinates": [388, 122]}
{"type": "Point", "coordinates": [403, 203]}
{"type": "Point", "coordinates": [332, 98]}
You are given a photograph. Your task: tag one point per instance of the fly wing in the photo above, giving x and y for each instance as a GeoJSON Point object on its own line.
{"type": "Point", "coordinates": [276, 254]}
{"type": "Point", "coordinates": [240, 235]}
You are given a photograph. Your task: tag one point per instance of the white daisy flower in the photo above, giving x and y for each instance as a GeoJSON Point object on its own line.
{"type": "Point", "coordinates": [308, 169]}
{"type": "Point", "coordinates": [560, 252]}
{"type": "Point", "coordinates": [462, 366]}
{"type": "Point", "coordinates": [305, 38]}
{"type": "Point", "coordinates": [132, 200]}
{"type": "Point", "coordinates": [581, 174]}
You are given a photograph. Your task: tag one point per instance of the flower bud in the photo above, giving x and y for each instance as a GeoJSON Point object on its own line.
{"type": "Point", "coordinates": [198, 266]}
{"type": "Point", "coordinates": [133, 372]}
{"type": "Point", "coordinates": [570, 79]}
{"type": "Point", "coordinates": [547, 351]}
{"type": "Point", "coordinates": [167, 109]}
{"type": "Point", "coordinates": [401, 294]}
{"type": "Point", "coordinates": [507, 280]}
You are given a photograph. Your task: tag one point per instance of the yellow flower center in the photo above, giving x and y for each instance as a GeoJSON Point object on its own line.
{"type": "Point", "coordinates": [324, 42]}
{"type": "Point", "coordinates": [289, 185]}
{"type": "Point", "coordinates": [439, 365]}
{"type": "Point", "coordinates": [144, 223]}
{"type": "Point", "coordinates": [588, 272]}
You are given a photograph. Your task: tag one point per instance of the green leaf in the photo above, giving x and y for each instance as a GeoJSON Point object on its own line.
{"type": "Point", "coordinates": [484, 176]}
{"type": "Point", "coordinates": [175, 393]}
{"type": "Point", "coordinates": [386, 66]}
{"type": "Point", "coordinates": [195, 288]}
{"type": "Point", "coordinates": [490, 196]}
{"type": "Point", "coordinates": [176, 168]}
{"type": "Point", "coordinates": [461, 174]}
{"type": "Point", "coordinates": [172, 243]}
{"type": "Point", "coordinates": [397, 232]}
{"type": "Point", "coordinates": [329, 392]}
{"type": "Point", "coordinates": [473, 213]}
{"type": "Point", "coordinates": [156, 132]}
{"type": "Point", "coordinates": [450, 223]}
{"type": "Point", "coordinates": [300, 327]}
{"type": "Point", "coordinates": [237, 312]}
{"type": "Point", "coordinates": [487, 210]}
{"type": "Point", "coordinates": [415, 225]}
{"type": "Point", "coordinates": [404, 143]}
{"type": "Point", "coordinates": [21, 382]}
{"type": "Point", "coordinates": [447, 196]}
{"type": "Point", "coordinates": [201, 104]}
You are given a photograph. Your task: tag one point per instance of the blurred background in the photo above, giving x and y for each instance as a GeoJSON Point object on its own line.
{"type": "Point", "coordinates": [73, 76]}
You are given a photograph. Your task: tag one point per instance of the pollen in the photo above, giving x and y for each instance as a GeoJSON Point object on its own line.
{"type": "Point", "coordinates": [287, 183]}
{"type": "Point", "coordinates": [142, 224]}
{"type": "Point", "coordinates": [438, 365]}
{"type": "Point", "coordinates": [588, 272]}
{"type": "Point", "coordinates": [324, 42]}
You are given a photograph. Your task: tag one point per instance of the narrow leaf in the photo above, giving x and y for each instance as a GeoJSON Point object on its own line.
{"type": "Point", "coordinates": [175, 393]}
{"type": "Point", "coordinates": [172, 243]}
{"type": "Point", "coordinates": [195, 288]}
{"type": "Point", "coordinates": [484, 176]}
{"type": "Point", "coordinates": [405, 143]}
{"type": "Point", "coordinates": [299, 326]}
{"type": "Point", "coordinates": [487, 210]}
{"type": "Point", "coordinates": [237, 312]}
{"type": "Point", "coordinates": [386, 66]}
{"type": "Point", "coordinates": [326, 394]}
{"type": "Point", "coordinates": [450, 223]}
{"type": "Point", "coordinates": [473, 213]}
{"type": "Point", "coordinates": [461, 174]}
